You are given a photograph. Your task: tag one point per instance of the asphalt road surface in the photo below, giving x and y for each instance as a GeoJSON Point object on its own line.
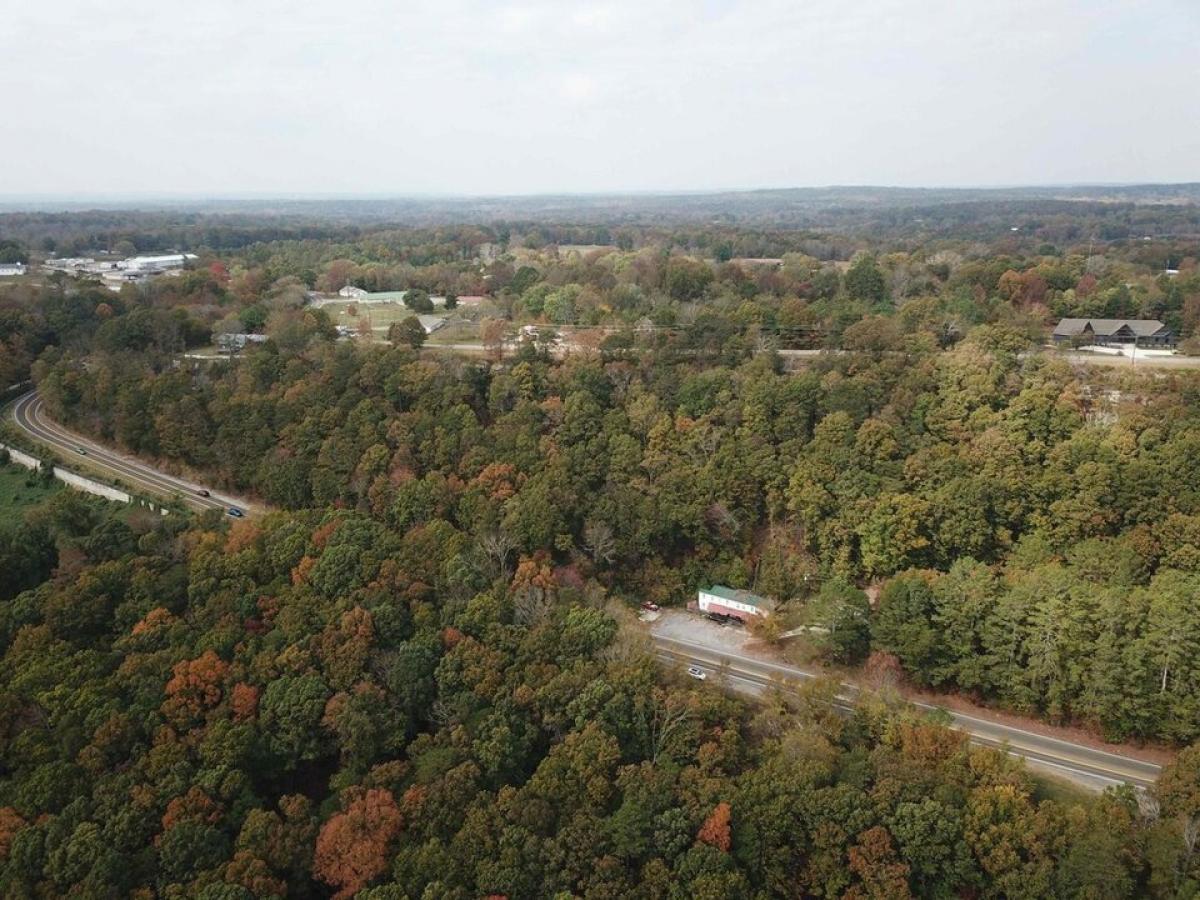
{"type": "Point", "coordinates": [29, 414]}
{"type": "Point", "coordinates": [1080, 763]}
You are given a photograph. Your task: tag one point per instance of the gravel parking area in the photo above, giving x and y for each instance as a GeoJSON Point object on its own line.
{"type": "Point", "coordinates": [689, 626]}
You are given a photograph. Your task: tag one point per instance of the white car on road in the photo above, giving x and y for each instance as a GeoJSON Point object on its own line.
{"type": "Point", "coordinates": [697, 673]}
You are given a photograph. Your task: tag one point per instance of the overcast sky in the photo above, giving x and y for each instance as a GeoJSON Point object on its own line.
{"type": "Point", "coordinates": [226, 97]}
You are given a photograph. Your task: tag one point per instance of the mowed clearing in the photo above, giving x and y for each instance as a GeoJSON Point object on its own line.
{"type": "Point", "coordinates": [378, 315]}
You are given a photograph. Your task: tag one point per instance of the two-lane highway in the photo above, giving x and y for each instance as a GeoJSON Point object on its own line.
{"type": "Point", "coordinates": [29, 414]}
{"type": "Point", "coordinates": [1098, 768]}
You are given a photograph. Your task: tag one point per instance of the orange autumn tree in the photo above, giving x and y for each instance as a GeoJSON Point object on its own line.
{"type": "Point", "coordinates": [158, 618]}
{"type": "Point", "coordinates": [881, 873]}
{"type": "Point", "coordinates": [345, 645]}
{"type": "Point", "coordinates": [533, 587]}
{"type": "Point", "coordinates": [352, 848]}
{"type": "Point", "coordinates": [244, 702]}
{"type": "Point", "coordinates": [194, 806]}
{"type": "Point", "coordinates": [715, 830]}
{"type": "Point", "coordinates": [10, 823]}
{"type": "Point", "coordinates": [499, 481]}
{"type": "Point", "coordinates": [254, 875]}
{"type": "Point", "coordinates": [195, 686]}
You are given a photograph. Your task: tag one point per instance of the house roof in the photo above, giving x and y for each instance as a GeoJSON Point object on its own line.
{"type": "Point", "coordinates": [431, 323]}
{"type": "Point", "coordinates": [736, 595]}
{"type": "Point", "coordinates": [1140, 327]}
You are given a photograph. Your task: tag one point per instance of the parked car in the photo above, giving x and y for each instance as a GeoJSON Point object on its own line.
{"type": "Point", "coordinates": [650, 607]}
{"type": "Point", "coordinates": [203, 493]}
{"type": "Point", "coordinates": [697, 673]}
{"type": "Point", "coordinates": [235, 512]}
{"type": "Point", "coordinates": [718, 618]}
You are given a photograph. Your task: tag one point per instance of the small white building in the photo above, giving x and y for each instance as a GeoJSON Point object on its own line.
{"type": "Point", "coordinates": [726, 601]}
{"type": "Point", "coordinates": [351, 292]}
{"type": "Point", "coordinates": [431, 323]}
{"type": "Point", "coordinates": [11, 269]}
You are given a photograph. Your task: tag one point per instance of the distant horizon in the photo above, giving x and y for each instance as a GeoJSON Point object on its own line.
{"type": "Point", "coordinates": [13, 199]}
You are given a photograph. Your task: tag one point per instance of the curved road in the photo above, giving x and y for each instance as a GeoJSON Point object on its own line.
{"type": "Point", "coordinates": [29, 414]}
{"type": "Point", "coordinates": [1086, 765]}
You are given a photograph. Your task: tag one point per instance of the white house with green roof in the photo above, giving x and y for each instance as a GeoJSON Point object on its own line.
{"type": "Point", "coordinates": [727, 601]}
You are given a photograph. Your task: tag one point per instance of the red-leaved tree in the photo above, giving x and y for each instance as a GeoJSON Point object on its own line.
{"type": "Point", "coordinates": [352, 848]}
{"type": "Point", "coordinates": [715, 830]}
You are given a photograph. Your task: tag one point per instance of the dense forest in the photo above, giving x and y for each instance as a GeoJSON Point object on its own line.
{"type": "Point", "coordinates": [1042, 539]}
{"type": "Point", "coordinates": [420, 674]}
{"type": "Point", "coordinates": [316, 704]}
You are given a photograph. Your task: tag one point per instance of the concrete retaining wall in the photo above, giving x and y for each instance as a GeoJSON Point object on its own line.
{"type": "Point", "coordinates": [21, 459]}
{"type": "Point", "coordinates": [92, 487]}
{"type": "Point", "coordinates": [79, 482]}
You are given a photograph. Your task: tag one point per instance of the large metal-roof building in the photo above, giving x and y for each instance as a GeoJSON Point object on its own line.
{"type": "Point", "coordinates": [1141, 332]}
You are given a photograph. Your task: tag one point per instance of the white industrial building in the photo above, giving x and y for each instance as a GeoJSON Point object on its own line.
{"type": "Point", "coordinates": [116, 272]}
{"type": "Point", "coordinates": [152, 264]}
{"type": "Point", "coordinates": [75, 265]}
{"type": "Point", "coordinates": [10, 269]}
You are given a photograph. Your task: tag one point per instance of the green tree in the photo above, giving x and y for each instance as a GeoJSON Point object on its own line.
{"type": "Point", "coordinates": [291, 710]}
{"type": "Point", "coordinates": [865, 280]}
{"type": "Point", "coordinates": [686, 279]}
{"type": "Point", "coordinates": [840, 617]}
{"type": "Point", "coordinates": [27, 557]}
{"type": "Point", "coordinates": [904, 625]}
{"type": "Point", "coordinates": [408, 332]}
{"type": "Point", "coordinates": [418, 300]}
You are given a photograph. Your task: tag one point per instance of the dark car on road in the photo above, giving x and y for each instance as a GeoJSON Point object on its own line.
{"type": "Point", "coordinates": [235, 512]}
{"type": "Point", "coordinates": [203, 493]}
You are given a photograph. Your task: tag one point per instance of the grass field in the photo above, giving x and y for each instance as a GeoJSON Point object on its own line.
{"type": "Point", "coordinates": [380, 315]}
{"type": "Point", "coordinates": [455, 332]}
{"type": "Point", "coordinates": [16, 495]}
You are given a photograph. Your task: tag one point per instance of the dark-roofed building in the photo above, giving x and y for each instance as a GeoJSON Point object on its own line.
{"type": "Point", "coordinates": [1141, 332]}
{"type": "Point", "coordinates": [232, 343]}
